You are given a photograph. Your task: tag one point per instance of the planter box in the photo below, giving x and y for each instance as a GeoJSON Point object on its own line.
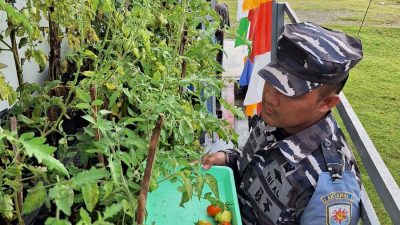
{"type": "Point", "coordinates": [163, 203]}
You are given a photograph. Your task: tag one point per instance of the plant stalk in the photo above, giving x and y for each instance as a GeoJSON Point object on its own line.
{"type": "Point", "coordinates": [93, 94]}
{"type": "Point", "coordinates": [149, 167]}
{"type": "Point", "coordinates": [18, 198]}
{"type": "Point", "coordinates": [14, 49]}
{"type": "Point", "coordinates": [55, 48]}
{"type": "Point", "coordinates": [181, 51]}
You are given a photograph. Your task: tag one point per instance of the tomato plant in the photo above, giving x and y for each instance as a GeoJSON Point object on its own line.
{"type": "Point", "coordinates": [74, 147]}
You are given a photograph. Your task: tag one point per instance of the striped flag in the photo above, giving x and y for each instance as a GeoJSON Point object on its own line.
{"type": "Point", "coordinates": [255, 28]}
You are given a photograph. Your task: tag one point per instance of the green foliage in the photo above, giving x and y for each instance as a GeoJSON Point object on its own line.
{"type": "Point", "coordinates": [35, 198]}
{"type": "Point", "coordinates": [6, 91]}
{"type": "Point", "coordinates": [122, 69]}
{"type": "Point", "coordinates": [16, 17]}
{"type": "Point", "coordinates": [35, 146]}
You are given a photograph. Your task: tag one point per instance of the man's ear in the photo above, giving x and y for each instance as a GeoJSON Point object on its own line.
{"type": "Point", "coordinates": [329, 102]}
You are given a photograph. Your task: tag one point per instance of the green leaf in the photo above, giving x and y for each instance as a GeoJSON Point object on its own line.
{"type": "Point", "coordinates": [115, 168]}
{"type": "Point", "coordinates": [108, 188]}
{"type": "Point", "coordinates": [83, 105]}
{"type": "Point", "coordinates": [104, 112]}
{"type": "Point", "coordinates": [6, 91]}
{"type": "Point", "coordinates": [238, 112]}
{"type": "Point", "coordinates": [40, 58]}
{"type": "Point", "coordinates": [35, 146]}
{"type": "Point", "coordinates": [89, 54]}
{"type": "Point", "coordinates": [89, 176]}
{"type": "Point", "coordinates": [89, 118]}
{"type": "Point", "coordinates": [2, 66]}
{"type": "Point", "coordinates": [90, 194]}
{"type": "Point", "coordinates": [55, 221]}
{"type": "Point", "coordinates": [130, 120]}
{"type": "Point", "coordinates": [112, 210]}
{"type": "Point", "coordinates": [186, 132]}
{"type": "Point", "coordinates": [22, 42]}
{"type": "Point", "coordinates": [97, 102]}
{"type": "Point", "coordinates": [85, 216]}
{"type": "Point", "coordinates": [88, 73]}
{"type": "Point", "coordinates": [107, 5]}
{"type": "Point", "coordinates": [212, 183]}
{"type": "Point", "coordinates": [7, 207]}
{"type": "Point", "coordinates": [185, 198]}
{"type": "Point", "coordinates": [95, 5]}
{"type": "Point", "coordinates": [25, 119]}
{"type": "Point", "coordinates": [187, 184]}
{"type": "Point", "coordinates": [34, 199]}
{"type": "Point", "coordinates": [82, 95]}
{"type": "Point", "coordinates": [63, 196]}
{"type": "Point", "coordinates": [199, 185]}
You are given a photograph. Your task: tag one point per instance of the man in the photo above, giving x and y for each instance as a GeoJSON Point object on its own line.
{"type": "Point", "coordinates": [296, 167]}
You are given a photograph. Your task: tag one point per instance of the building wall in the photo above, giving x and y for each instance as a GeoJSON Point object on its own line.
{"type": "Point", "coordinates": [30, 69]}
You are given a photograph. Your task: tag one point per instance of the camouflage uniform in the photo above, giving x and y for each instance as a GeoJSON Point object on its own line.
{"type": "Point", "coordinates": [277, 175]}
{"type": "Point", "coordinates": [276, 178]}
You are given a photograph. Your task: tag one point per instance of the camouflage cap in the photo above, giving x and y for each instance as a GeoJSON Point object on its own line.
{"type": "Point", "coordinates": [309, 56]}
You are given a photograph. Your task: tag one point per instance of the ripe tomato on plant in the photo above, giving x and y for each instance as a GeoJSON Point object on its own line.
{"type": "Point", "coordinates": [212, 210]}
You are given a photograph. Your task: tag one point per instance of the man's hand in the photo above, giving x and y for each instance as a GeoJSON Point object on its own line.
{"type": "Point", "coordinates": [218, 158]}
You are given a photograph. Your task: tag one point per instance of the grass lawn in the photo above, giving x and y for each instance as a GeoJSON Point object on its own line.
{"type": "Point", "coordinates": [373, 88]}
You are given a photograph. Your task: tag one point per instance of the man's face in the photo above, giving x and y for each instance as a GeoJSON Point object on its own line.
{"type": "Point", "coordinates": [290, 113]}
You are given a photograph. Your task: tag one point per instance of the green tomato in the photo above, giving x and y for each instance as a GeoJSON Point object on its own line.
{"type": "Point", "coordinates": [14, 21]}
{"type": "Point", "coordinates": [33, 10]}
{"type": "Point", "coordinates": [25, 12]}
{"type": "Point", "coordinates": [203, 222]}
{"type": "Point", "coordinates": [136, 52]}
{"type": "Point", "coordinates": [224, 216]}
{"type": "Point", "coordinates": [153, 185]}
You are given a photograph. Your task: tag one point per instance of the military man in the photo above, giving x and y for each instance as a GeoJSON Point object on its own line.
{"type": "Point", "coordinates": [296, 167]}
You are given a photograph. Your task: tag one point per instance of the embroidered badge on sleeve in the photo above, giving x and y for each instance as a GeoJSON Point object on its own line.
{"type": "Point", "coordinates": [339, 214]}
{"type": "Point", "coordinates": [338, 208]}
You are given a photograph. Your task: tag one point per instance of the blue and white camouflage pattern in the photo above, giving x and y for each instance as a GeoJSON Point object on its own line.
{"type": "Point", "coordinates": [309, 56]}
{"type": "Point", "coordinates": [276, 177]}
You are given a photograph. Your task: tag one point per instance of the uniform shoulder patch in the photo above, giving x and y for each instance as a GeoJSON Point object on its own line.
{"type": "Point", "coordinates": [338, 207]}
{"type": "Point", "coordinates": [338, 214]}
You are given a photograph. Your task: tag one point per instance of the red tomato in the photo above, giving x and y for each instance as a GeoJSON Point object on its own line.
{"type": "Point", "coordinates": [212, 210]}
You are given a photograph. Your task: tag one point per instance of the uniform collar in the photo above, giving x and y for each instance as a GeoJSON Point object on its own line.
{"type": "Point", "coordinates": [298, 146]}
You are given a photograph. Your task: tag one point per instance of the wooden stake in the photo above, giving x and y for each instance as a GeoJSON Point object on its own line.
{"type": "Point", "coordinates": [93, 94]}
{"type": "Point", "coordinates": [149, 167]}
{"type": "Point", "coordinates": [18, 197]}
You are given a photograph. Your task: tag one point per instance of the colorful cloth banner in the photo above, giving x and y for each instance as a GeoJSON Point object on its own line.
{"type": "Point", "coordinates": [241, 13]}
{"type": "Point", "coordinates": [260, 29]}
{"type": "Point", "coordinates": [256, 84]}
{"type": "Point", "coordinates": [257, 28]}
{"type": "Point", "coordinates": [246, 74]}
{"type": "Point", "coordinates": [242, 32]}
{"type": "Point", "coordinates": [252, 4]}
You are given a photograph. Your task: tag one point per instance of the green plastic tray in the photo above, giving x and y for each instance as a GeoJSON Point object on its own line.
{"type": "Point", "coordinates": [163, 203]}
